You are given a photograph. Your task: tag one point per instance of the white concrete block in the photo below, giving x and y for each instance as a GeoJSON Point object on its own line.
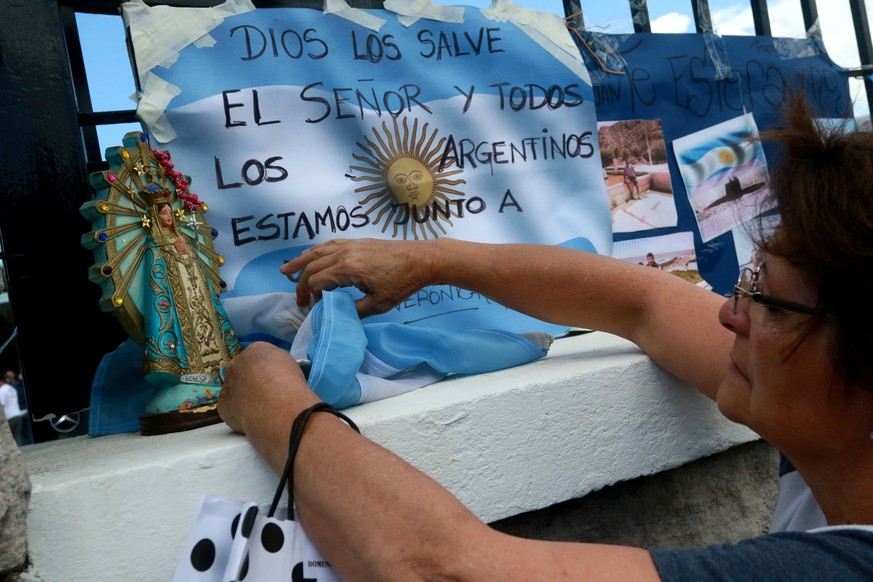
{"type": "Point", "coordinates": [596, 411]}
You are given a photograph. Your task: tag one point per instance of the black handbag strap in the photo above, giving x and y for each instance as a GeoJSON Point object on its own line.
{"type": "Point", "coordinates": [287, 478]}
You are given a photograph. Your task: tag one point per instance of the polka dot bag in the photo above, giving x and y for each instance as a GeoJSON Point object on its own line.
{"type": "Point", "coordinates": [235, 541]}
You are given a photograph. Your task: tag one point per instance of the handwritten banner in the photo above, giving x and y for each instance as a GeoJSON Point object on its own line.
{"type": "Point", "coordinates": [297, 127]}
{"type": "Point", "coordinates": [700, 89]}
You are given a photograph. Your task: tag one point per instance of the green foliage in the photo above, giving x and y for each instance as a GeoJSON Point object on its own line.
{"type": "Point", "coordinates": [691, 275]}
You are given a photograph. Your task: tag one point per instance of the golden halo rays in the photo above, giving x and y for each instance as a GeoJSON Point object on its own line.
{"type": "Point", "coordinates": [406, 185]}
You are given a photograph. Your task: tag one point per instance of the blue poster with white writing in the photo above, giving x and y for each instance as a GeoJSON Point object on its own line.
{"type": "Point", "coordinates": [298, 126]}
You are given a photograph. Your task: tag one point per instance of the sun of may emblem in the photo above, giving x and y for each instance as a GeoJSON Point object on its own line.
{"type": "Point", "coordinates": [408, 185]}
{"type": "Point", "coordinates": [726, 157]}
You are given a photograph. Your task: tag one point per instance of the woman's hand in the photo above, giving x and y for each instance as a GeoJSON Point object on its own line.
{"type": "Point", "coordinates": [261, 382]}
{"type": "Point", "coordinates": [387, 272]}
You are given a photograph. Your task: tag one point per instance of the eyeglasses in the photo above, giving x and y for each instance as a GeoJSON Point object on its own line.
{"type": "Point", "coordinates": [747, 286]}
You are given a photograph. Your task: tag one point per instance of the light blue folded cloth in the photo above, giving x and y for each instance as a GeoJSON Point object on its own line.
{"type": "Point", "coordinates": [119, 392]}
{"type": "Point", "coordinates": [351, 361]}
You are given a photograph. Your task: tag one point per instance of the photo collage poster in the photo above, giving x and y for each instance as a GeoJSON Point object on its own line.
{"type": "Point", "coordinates": [682, 114]}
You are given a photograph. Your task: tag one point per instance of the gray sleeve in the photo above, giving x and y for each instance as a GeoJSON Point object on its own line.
{"type": "Point", "coordinates": [845, 555]}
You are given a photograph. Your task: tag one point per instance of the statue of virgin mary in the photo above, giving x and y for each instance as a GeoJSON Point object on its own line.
{"type": "Point", "coordinates": [158, 268]}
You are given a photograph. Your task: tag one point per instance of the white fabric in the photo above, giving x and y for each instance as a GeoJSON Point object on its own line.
{"type": "Point", "coordinates": [796, 508]}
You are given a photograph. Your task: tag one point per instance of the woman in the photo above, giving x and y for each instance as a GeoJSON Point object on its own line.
{"type": "Point", "coordinates": [786, 356]}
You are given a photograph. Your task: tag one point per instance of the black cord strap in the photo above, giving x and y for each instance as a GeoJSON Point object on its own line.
{"type": "Point", "coordinates": [287, 478]}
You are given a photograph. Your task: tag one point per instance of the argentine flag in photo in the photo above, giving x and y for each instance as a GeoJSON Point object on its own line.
{"type": "Point", "coordinates": [725, 174]}
{"type": "Point", "coordinates": [736, 146]}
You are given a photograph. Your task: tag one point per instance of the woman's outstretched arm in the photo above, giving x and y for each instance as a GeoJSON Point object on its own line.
{"type": "Point", "coordinates": [672, 320]}
{"type": "Point", "coordinates": [374, 516]}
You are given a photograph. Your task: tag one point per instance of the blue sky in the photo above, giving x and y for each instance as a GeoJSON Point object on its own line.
{"type": "Point", "coordinates": [111, 80]}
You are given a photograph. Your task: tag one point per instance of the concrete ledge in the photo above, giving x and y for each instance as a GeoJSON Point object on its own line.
{"type": "Point", "coordinates": [595, 412]}
{"type": "Point", "coordinates": [720, 499]}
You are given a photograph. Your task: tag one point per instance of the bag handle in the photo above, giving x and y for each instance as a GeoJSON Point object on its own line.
{"type": "Point", "coordinates": [287, 477]}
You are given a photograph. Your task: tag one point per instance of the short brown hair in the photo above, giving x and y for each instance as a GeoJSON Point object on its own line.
{"type": "Point", "coordinates": [822, 184]}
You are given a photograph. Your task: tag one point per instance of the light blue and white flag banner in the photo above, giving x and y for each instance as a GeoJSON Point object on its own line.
{"type": "Point", "coordinates": [725, 174]}
{"type": "Point", "coordinates": [298, 126]}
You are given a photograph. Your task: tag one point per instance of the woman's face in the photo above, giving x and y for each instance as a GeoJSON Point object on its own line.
{"type": "Point", "coordinates": [165, 215]}
{"type": "Point", "coordinates": [794, 399]}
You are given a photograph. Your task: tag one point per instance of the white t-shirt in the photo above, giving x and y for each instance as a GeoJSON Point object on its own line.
{"type": "Point", "coordinates": [796, 508]}
{"type": "Point", "coordinates": [9, 399]}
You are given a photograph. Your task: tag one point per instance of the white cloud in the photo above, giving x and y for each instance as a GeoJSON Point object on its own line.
{"type": "Point", "coordinates": [672, 22]}
{"type": "Point", "coordinates": [734, 20]}
{"type": "Point", "coordinates": [838, 33]}
{"type": "Point", "coordinates": [786, 19]}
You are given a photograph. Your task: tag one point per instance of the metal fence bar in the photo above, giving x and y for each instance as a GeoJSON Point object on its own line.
{"type": "Point", "coordinates": [865, 46]}
{"type": "Point", "coordinates": [761, 17]}
{"type": "Point", "coordinates": [573, 14]}
{"type": "Point", "coordinates": [810, 18]}
{"type": "Point", "coordinates": [640, 16]}
{"type": "Point", "coordinates": [80, 84]}
{"type": "Point", "coordinates": [702, 16]}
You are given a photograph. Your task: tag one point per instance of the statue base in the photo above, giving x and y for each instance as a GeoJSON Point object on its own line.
{"type": "Point", "coordinates": [169, 422]}
{"type": "Point", "coordinates": [180, 407]}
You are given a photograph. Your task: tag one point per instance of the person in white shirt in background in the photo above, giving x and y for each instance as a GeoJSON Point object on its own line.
{"type": "Point", "coordinates": [14, 414]}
